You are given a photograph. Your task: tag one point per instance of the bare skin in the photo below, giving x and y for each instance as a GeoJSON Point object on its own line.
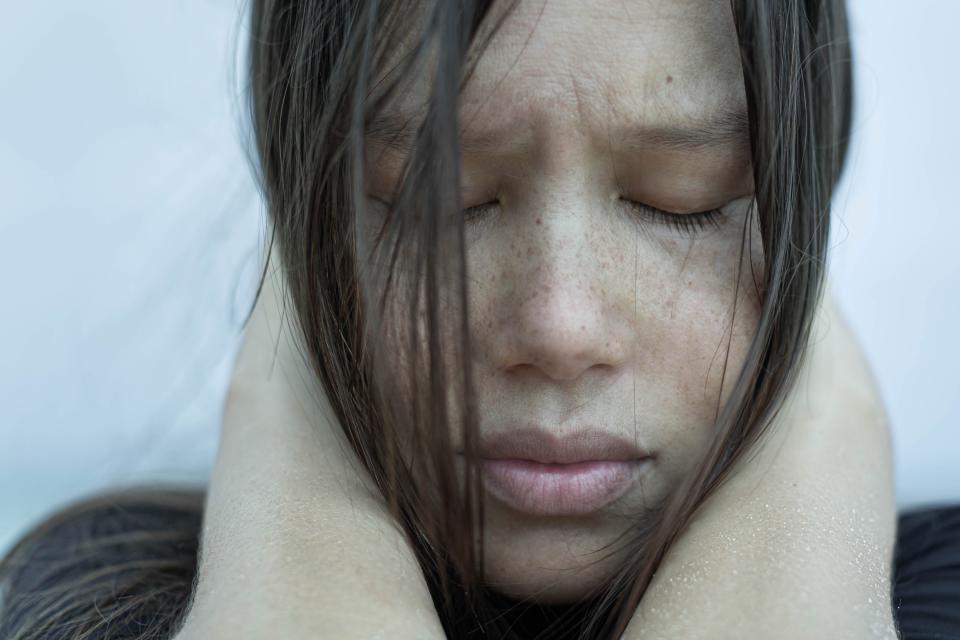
{"type": "Point", "coordinates": [594, 133]}
{"type": "Point", "coordinates": [291, 537]}
{"type": "Point", "coordinates": [797, 545]}
{"type": "Point", "coordinates": [587, 308]}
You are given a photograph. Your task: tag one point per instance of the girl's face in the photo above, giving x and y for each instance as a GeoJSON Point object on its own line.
{"type": "Point", "coordinates": [609, 313]}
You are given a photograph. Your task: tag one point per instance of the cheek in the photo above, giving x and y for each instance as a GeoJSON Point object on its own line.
{"type": "Point", "coordinates": [703, 307]}
{"type": "Point", "coordinates": [400, 337]}
{"type": "Point", "coordinates": [695, 313]}
{"type": "Point", "coordinates": [704, 321]}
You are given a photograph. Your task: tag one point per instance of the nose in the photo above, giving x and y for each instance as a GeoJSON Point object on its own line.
{"type": "Point", "coordinates": [560, 331]}
{"type": "Point", "coordinates": [565, 313]}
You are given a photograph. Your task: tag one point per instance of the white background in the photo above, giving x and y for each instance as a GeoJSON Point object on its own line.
{"type": "Point", "coordinates": [129, 227]}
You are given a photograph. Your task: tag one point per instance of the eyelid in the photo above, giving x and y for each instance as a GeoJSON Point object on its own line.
{"type": "Point", "coordinates": [478, 213]}
{"type": "Point", "coordinates": [667, 212]}
{"type": "Point", "coordinates": [482, 205]}
{"type": "Point", "coordinates": [474, 211]}
{"type": "Point", "coordinates": [687, 223]}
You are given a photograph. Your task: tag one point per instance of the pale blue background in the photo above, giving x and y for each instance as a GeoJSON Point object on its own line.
{"type": "Point", "coordinates": [129, 227]}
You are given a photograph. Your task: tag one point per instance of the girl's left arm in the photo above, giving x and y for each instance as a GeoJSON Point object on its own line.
{"type": "Point", "coordinates": [798, 543]}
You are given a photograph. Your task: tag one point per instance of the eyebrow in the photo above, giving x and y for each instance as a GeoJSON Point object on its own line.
{"type": "Point", "coordinates": [392, 129]}
{"type": "Point", "coordinates": [725, 128]}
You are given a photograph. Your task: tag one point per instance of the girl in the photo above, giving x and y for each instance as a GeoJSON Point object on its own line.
{"type": "Point", "coordinates": [555, 361]}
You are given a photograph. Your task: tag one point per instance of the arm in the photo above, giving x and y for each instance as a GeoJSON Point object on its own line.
{"type": "Point", "coordinates": [752, 575]}
{"type": "Point", "coordinates": [293, 543]}
{"type": "Point", "coordinates": [798, 543]}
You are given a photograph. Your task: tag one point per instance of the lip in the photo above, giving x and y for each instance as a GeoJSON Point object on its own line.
{"type": "Point", "coordinates": [539, 445]}
{"type": "Point", "coordinates": [541, 473]}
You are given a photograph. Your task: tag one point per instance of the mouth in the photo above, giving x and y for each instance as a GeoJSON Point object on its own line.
{"type": "Point", "coordinates": [540, 473]}
{"type": "Point", "coordinates": [575, 489]}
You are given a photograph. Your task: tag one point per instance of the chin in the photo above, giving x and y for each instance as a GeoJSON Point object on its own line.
{"type": "Point", "coordinates": [548, 591]}
{"type": "Point", "coordinates": [551, 564]}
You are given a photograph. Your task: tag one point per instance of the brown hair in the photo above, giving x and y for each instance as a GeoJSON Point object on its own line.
{"type": "Point", "coordinates": [118, 565]}
{"type": "Point", "coordinates": [318, 80]}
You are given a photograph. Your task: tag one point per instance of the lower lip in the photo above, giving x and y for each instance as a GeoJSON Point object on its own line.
{"type": "Point", "coordinates": [573, 489]}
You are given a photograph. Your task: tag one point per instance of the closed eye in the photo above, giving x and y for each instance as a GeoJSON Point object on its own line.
{"type": "Point", "coordinates": [476, 211]}
{"type": "Point", "coordinates": [686, 223]}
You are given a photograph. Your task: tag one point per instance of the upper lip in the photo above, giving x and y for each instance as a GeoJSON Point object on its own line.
{"type": "Point", "coordinates": [539, 445]}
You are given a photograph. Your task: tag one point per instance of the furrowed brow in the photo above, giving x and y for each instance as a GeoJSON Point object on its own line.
{"type": "Point", "coordinates": [727, 128]}
{"type": "Point", "coordinates": [393, 130]}
{"type": "Point", "coordinates": [397, 131]}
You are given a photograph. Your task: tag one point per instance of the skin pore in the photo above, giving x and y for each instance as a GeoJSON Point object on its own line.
{"type": "Point", "coordinates": [584, 310]}
{"type": "Point", "coordinates": [587, 307]}
{"type": "Point", "coordinates": [797, 545]}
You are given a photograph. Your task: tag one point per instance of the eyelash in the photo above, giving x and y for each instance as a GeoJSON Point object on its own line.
{"type": "Point", "coordinates": [686, 223]}
{"type": "Point", "coordinates": [471, 213]}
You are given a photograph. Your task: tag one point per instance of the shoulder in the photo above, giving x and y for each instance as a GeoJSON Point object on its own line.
{"type": "Point", "coordinates": [118, 565]}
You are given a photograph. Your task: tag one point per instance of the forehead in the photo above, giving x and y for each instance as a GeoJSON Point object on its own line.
{"type": "Point", "coordinates": [601, 65]}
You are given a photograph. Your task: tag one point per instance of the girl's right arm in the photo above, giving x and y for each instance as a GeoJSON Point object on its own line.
{"type": "Point", "coordinates": [294, 543]}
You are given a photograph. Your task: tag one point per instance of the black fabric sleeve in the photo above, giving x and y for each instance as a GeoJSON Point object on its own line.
{"type": "Point", "coordinates": [926, 585]}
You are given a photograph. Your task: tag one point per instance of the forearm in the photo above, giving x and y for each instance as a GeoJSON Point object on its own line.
{"type": "Point", "coordinates": [346, 573]}
{"type": "Point", "coordinates": [339, 569]}
{"type": "Point", "coordinates": [296, 541]}
{"type": "Point", "coordinates": [798, 543]}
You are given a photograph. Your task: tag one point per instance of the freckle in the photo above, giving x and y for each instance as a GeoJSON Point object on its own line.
{"type": "Point", "coordinates": [669, 79]}
{"type": "Point", "coordinates": [539, 221]}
